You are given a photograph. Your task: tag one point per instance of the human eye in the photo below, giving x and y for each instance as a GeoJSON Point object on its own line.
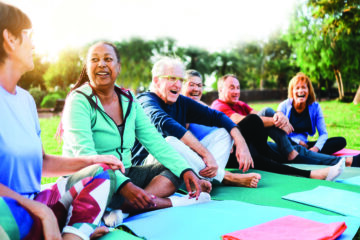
{"type": "Point", "coordinates": [94, 59]}
{"type": "Point", "coordinates": [108, 59]}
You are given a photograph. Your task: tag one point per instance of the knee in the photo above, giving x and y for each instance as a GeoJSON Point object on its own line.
{"type": "Point", "coordinates": [254, 120]}
{"type": "Point", "coordinates": [171, 140]}
{"type": "Point", "coordinates": [266, 112]}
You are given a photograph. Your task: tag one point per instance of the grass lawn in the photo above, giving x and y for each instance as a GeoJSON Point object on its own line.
{"type": "Point", "coordinates": [342, 119]}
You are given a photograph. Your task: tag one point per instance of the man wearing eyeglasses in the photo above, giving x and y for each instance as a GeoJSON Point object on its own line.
{"type": "Point", "coordinates": [170, 112]}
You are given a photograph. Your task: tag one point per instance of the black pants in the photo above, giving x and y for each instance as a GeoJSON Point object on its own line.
{"type": "Point", "coordinates": [253, 130]}
{"type": "Point", "coordinates": [332, 145]}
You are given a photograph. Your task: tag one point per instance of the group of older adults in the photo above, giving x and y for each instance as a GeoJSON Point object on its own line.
{"type": "Point", "coordinates": [126, 154]}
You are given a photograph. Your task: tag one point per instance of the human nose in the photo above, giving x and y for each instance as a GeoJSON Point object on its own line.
{"type": "Point", "coordinates": [101, 63]}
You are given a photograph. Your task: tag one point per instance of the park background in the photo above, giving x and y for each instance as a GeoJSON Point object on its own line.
{"type": "Point", "coordinates": [320, 38]}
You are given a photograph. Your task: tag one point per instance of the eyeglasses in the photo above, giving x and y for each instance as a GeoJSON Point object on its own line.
{"type": "Point", "coordinates": [172, 79]}
{"type": "Point", "coordinates": [29, 32]}
{"type": "Point", "coordinates": [192, 84]}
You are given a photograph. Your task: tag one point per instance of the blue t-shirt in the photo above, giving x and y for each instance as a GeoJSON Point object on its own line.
{"type": "Point", "coordinates": [200, 131]}
{"type": "Point", "coordinates": [20, 144]}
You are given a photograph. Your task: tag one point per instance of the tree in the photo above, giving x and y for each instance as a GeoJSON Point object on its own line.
{"type": "Point", "coordinates": [341, 24]}
{"type": "Point", "coordinates": [279, 62]}
{"type": "Point", "coordinates": [65, 70]}
{"type": "Point", "coordinates": [35, 77]}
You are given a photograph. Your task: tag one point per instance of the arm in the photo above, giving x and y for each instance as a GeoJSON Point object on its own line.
{"type": "Point", "coordinates": [60, 166]}
{"type": "Point", "coordinates": [211, 166]}
{"type": "Point", "coordinates": [44, 213]}
{"type": "Point", "coordinates": [271, 118]}
{"type": "Point", "coordinates": [242, 152]}
{"type": "Point", "coordinates": [321, 127]}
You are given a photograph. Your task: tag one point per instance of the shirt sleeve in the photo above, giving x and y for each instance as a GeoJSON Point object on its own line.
{"type": "Point", "coordinates": [321, 127]}
{"type": "Point", "coordinates": [200, 114]}
{"type": "Point", "coordinates": [222, 107]}
{"type": "Point", "coordinates": [246, 107]}
{"type": "Point", "coordinates": [155, 144]}
{"type": "Point", "coordinates": [164, 123]}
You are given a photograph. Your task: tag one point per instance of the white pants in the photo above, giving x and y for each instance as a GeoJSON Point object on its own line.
{"type": "Point", "coordinates": [219, 144]}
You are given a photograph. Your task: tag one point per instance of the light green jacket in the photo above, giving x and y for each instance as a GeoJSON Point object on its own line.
{"type": "Point", "coordinates": [90, 131]}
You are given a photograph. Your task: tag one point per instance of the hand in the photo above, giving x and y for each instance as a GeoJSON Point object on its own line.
{"type": "Point", "coordinates": [99, 232]}
{"type": "Point", "coordinates": [137, 197]}
{"type": "Point", "coordinates": [190, 179]}
{"type": "Point", "coordinates": [48, 220]}
{"type": "Point", "coordinates": [303, 144]}
{"type": "Point", "coordinates": [288, 128]}
{"type": "Point", "coordinates": [243, 157]}
{"type": "Point", "coordinates": [110, 160]}
{"type": "Point", "coordinates": [280, 120]}
{"type": "Point", "coordinates": [211, 168]}
{"type": "Point", "coordinates": [314, 149]}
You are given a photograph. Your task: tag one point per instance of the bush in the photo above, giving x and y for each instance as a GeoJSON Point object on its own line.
{"type": "Point", "coordinates": [38, 95]}
{"type": "Point", "coordinates": [50, 100]}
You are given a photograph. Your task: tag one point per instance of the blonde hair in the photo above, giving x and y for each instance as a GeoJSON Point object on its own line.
{"type": "Point", "coordinates": [301, 77]}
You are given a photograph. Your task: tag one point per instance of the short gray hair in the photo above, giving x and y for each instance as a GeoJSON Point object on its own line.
{"type": "Point", "coordinates": [163, 62]}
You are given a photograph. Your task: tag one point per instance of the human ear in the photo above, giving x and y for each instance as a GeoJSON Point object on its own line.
{"type": "Point", "coordinates": [9, 40]}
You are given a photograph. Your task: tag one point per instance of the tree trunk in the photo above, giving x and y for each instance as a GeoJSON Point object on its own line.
{"type": "Point", "coordinates": [339, 83]}
{"type": "Point", "coordinates": [357, 96]}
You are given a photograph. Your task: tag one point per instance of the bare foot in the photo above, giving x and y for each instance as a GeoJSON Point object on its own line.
{"type": "Point", "coordinates": [205, 186]}
{"type": "Point", "coordinates": [329, 173]}
{"type": "Point", "coordinates": [249, 180]}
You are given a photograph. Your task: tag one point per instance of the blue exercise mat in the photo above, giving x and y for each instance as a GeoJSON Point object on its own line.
{"type": "Point", "coordinates": [213, 219]}
{"type": "Point", "coordinates": [353, 180]}
{"type": "Point", "coordinates": [336, 200]}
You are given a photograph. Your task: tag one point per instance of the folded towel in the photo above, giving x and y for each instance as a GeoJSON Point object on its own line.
{"type": "Point", "coordinates": [289, 227]}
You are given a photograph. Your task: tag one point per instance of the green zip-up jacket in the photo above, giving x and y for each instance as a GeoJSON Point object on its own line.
{"type": "Point", "coordinates": [88, 130]}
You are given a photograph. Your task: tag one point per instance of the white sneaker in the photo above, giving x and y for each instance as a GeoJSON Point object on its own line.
{"type": "Point", "coordinates": [114, 218]}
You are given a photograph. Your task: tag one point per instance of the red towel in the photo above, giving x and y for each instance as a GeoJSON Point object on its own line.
{"type": "Point", "coordinates": [346, 152]}
{"type": "Point", "coordinates": [289, 227]}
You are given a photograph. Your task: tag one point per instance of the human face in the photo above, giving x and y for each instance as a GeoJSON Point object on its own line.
{"type": "Point", "coordinates": [193, 88]}
{"type": "Point", "coordinates": [102, 66]}
{"type": "Point", "coordinates": [230, 92]}
{"type": "Point", "coordinates": [166, 86]}
{"type": "Point", "coordinates": [24, 51]}
{"type": "Point", "coordinates": [300, 92]}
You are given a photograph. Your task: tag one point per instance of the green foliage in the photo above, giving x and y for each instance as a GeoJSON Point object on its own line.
{"type": "Point", "coordinates": [50, 99]}
{"type": "Point", "coordinates": [65, 70]}
{"type": "Point", "coordinates": [38, 95]}
{"type": "Point", "coordinates": [35, 77]}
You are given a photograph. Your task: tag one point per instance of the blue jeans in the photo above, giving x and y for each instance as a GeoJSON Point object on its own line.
{"type": "Point", "coordinates": [312, 157]}
{"type": "Point", "coordinates": [279, 136]}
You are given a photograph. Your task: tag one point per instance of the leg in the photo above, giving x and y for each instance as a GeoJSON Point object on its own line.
{"type": "Point", "coordinates": [193, 159]}
{"type": "Point", "coordinates": [279, 136]}
{"type": "Point", "coordinates": [12, 213]}
{"type": "Point", "coordinates": [84, 196]}
{"type": "Point", "coordinates": [308, 157]}
{"type": "Point", "coordinates": [219, 143]}
{"type": "Point", "coordinates": [331, 145]}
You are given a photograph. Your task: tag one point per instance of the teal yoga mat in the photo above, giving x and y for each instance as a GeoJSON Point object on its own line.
{"type": "Point", "coordinates": [335, 200]}
{"type": "Point", "coordinates": [213, 219]}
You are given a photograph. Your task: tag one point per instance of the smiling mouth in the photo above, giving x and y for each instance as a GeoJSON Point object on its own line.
{"type": "Point", "coordinates": [194, 94]}
{"type": "Point", "coordinates": [102, 73]}
{"type": "Point", "coordinates": [301, 96]}
{"type": "Point", "coordinates": [174, 92]}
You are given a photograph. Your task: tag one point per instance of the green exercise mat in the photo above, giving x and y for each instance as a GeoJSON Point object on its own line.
{"type": "Point", "coordinates": [273, 186]}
